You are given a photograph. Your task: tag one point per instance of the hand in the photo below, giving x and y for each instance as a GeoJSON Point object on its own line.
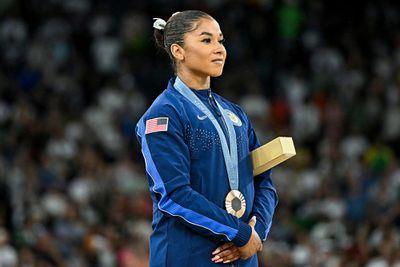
{"type": "Point", "coordinates": [253, 245]}
{"type": "Point", "coordinates": [226, 253]}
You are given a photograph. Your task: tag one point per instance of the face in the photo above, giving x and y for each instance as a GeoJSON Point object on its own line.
{"type": "Point", "coordinates": [203, 53]}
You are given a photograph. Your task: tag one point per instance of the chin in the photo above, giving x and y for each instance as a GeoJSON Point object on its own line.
{"type": "Point", "coordinates": [216, 73]}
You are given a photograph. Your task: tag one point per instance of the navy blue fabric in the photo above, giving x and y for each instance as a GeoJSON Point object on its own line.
{"type": "Point", "coordinates": [188, 183]}
{"type": "Point", "coordinates": [208, 99]}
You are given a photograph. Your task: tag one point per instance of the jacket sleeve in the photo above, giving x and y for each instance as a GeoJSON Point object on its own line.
{"type": "Point", "coordinates": [167, 160]}
{"type": "Point", "coordinates": [266, 197]}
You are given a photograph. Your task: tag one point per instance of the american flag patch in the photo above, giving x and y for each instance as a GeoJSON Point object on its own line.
{"type": "Point", "coordinates": [157, 125]}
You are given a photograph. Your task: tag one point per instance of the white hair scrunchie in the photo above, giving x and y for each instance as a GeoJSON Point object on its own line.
{"type": "Point", "coordinates": [159, 24]}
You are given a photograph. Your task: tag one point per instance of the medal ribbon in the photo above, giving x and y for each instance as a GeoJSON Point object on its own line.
{"type": "Point", "coordinates": [230, 156]}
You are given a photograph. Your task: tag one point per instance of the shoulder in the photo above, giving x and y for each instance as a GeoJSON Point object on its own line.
{"type": "Point", "coordinates": [168, 105]}
{"type": "Point", "coordinates": [227, 102]}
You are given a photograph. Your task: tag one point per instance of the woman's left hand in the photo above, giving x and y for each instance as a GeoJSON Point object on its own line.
{"type": "Point", "coordinates": [226, 253]}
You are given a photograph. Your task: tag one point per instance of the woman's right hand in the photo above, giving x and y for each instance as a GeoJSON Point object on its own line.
{"type": "Point", "coordinates": [253, 245]}
{"type": "Point", "coordinates": [228, 252]}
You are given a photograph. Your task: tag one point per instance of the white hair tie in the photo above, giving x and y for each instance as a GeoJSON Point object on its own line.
{"type": "Point", "coordinates": [159, 24]}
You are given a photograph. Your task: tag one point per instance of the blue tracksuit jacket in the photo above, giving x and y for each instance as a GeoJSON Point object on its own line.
{"type": "Point", "coordinates": [188, 181]}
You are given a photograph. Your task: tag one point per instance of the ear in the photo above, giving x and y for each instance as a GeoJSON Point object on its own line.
{"type": "Point", "coordinates": [178, 52]}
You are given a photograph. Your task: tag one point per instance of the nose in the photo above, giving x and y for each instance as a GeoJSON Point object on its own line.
{"type": "Point", "coordinates": [220, 49]}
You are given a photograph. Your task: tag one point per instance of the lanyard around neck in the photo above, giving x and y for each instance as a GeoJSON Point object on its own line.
{"type": "Point", "coordinates": [230, 155]}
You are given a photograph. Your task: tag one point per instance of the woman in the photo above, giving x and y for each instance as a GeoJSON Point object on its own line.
{"type": "Point", "coordinates": [196, 146]}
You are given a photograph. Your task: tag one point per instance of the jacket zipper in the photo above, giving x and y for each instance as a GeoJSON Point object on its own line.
{"type": "Point", "coordinates": [213, 104]}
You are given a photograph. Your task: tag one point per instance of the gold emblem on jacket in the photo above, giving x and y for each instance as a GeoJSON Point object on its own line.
{"type": "Point", "coordinates": [234, 118]}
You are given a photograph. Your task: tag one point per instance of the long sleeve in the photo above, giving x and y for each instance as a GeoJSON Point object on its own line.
{"type": "Point", "coordinates": [266, 197]}
{"type": "Point", "coordinates": [167, 159]}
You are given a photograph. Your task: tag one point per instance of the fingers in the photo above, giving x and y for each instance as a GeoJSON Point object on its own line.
{"type": "Point", "coordinates": [228, 252]}
{"type": "Point", "coordinates": [231, 258]}
{"type": "Point", "coordinates": [253, 221]}
{"type": "Point", "coordinates": [228, 255]}
{"type": "Point", "coordinates": [223, 247]}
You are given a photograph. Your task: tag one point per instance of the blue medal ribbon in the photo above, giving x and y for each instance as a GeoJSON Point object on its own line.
{"type": "Point", "coordinates": [229, 152]}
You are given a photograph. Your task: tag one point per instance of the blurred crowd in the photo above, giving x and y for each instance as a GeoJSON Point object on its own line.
{"type": "Point", "coordinates": [76, 75]}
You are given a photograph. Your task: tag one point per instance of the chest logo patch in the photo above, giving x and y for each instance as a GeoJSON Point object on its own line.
{"type": "Point", "coordinates": [235, 119]}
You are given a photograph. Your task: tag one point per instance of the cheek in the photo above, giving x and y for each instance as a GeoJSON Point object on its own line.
{"type": "Point", "coordinates": [190, 52]}
{"type": "Point", "coordinates": [196, 57]}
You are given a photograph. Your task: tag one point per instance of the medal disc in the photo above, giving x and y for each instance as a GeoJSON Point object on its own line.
{"type": "Point", "coordinates": [235, 203]}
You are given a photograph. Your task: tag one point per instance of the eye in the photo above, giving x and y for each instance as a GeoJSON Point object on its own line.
{"type": "Point", "coordinates": [222, 41]}
{"type": "Point", "coordinates": [206, 40]}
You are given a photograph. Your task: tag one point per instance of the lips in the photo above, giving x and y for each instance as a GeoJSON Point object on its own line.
{"type": "Point", "coordinates": [218, 60]}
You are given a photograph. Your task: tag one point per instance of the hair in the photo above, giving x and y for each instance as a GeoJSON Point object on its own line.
{"type": "Point", "coordinates": [177, 26]}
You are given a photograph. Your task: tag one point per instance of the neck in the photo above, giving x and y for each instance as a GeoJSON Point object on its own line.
{"type": "Point", "coordinates": [194, 81]}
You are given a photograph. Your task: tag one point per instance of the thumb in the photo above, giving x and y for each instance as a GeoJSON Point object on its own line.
{"type": "Point", "coordinates": [253, 221]}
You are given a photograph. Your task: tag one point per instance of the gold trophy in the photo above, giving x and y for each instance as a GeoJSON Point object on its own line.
{"type": "Point", "coordinates": [271, 154]}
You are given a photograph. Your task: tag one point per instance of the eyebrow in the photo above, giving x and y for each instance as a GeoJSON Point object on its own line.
{"type": "Point", "coordinates": [209, 34]}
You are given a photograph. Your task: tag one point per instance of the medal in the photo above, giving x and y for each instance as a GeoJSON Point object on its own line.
{"type": "Point", "coordinates": [235, 203]}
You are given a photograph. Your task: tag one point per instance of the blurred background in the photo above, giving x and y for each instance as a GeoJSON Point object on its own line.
{"type": "Point", "coordinates": [76, 75]}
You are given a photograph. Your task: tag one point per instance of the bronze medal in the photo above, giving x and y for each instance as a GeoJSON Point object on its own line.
{"type": "Point", "coordinates": [235, 203]}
